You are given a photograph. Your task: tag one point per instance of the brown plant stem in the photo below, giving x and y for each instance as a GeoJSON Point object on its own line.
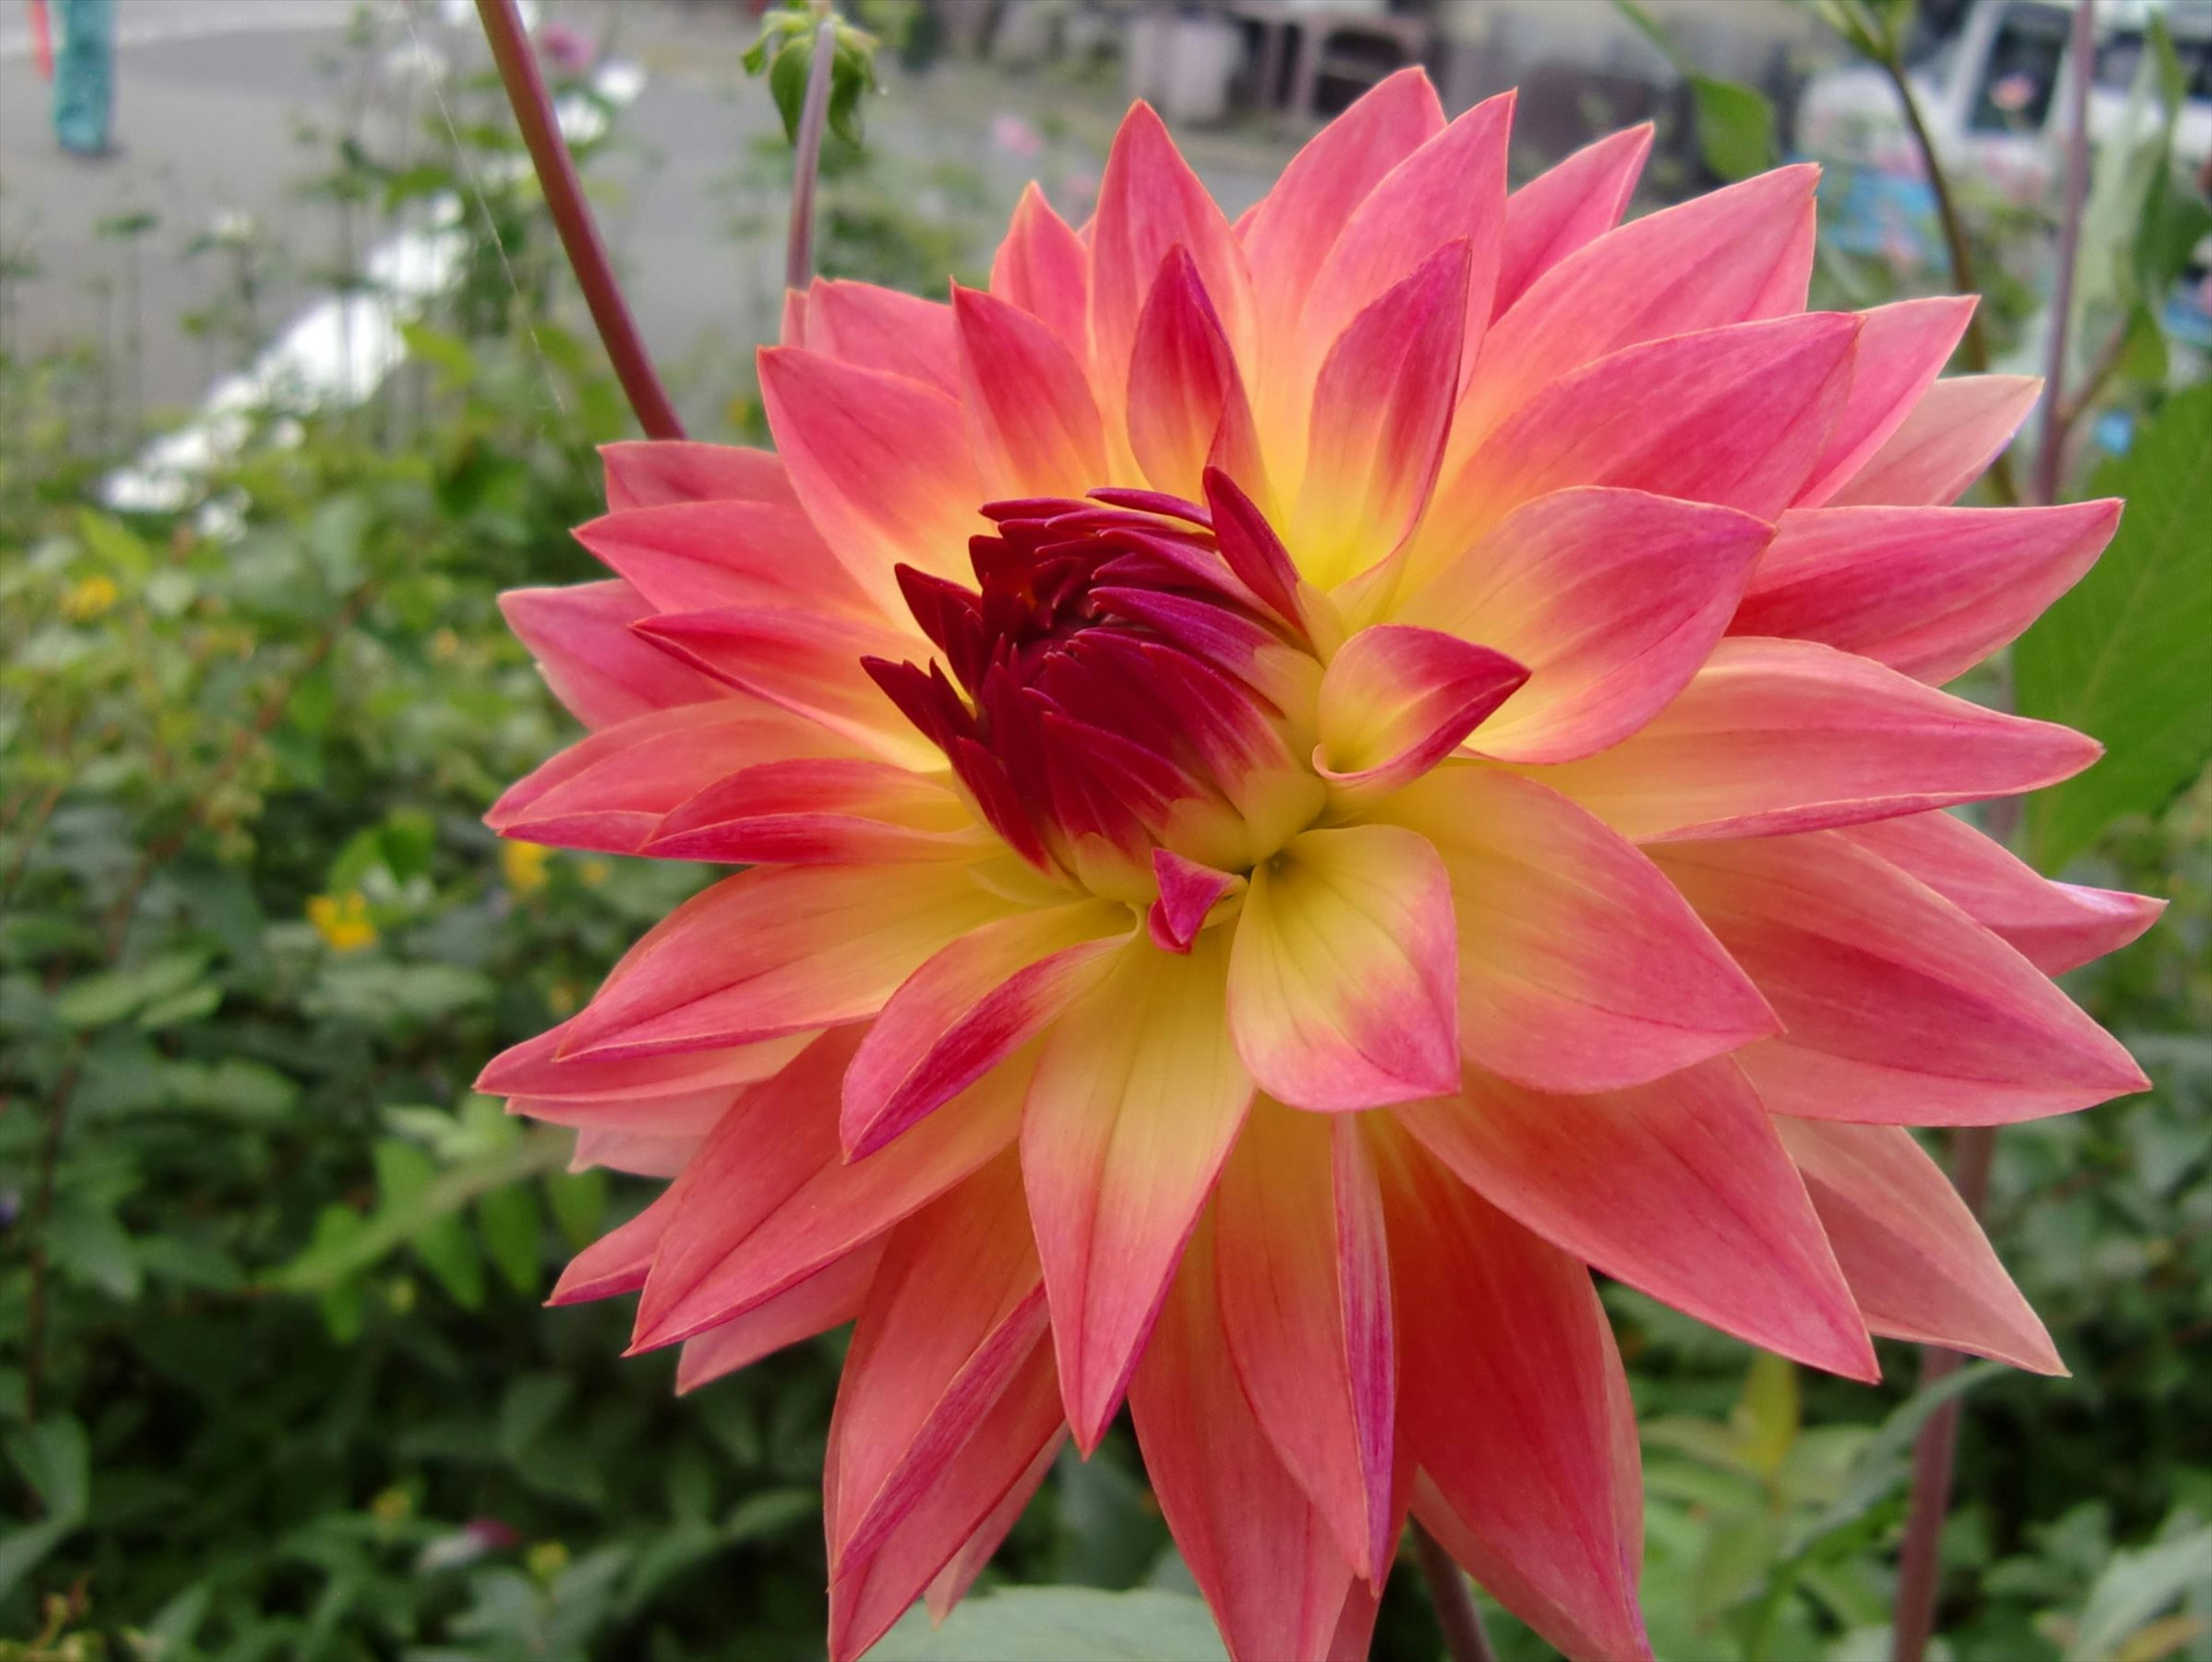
{"type": "Point", "coordinates": [572, 218]}
{"type": "Point", "coordinates": [806, 158]}
{"type": "Point", "coordinates": [1464, 1638]}
{"type": "Point", "coordinates": [2082, 52]}
{"type": "Point", "coordinates": [1920, 1568]}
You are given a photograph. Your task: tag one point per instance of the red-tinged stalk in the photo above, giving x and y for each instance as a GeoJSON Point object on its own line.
{"type": "Point", "coordinates": [572, 217]}
{"type": "Point", "coordinates": [807, 159]}
{"type": "Point", "coordinates": [1464, 1640]}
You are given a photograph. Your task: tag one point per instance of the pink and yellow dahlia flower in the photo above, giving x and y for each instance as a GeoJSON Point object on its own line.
{"type": "Point", "coordinates": [1302, 785]}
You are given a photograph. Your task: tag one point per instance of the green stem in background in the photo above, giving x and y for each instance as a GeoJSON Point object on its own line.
{"type": "Point", "coordinates": [1464, 1638]}
{"type": "Point", "coordinates": [806, 158]}
{"type": "Point", "coordinates": [572, 218]}
{"type": "Point", "coordinates": [2081, 51]}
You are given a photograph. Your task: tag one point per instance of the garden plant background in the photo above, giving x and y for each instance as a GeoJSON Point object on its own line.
{"type": "Point", "coordinates": [274, 1376]}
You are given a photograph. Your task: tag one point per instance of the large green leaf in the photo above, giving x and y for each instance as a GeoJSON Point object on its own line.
{"type": "Point", "coordinates": [1060, 1624]}
{"type": "Point", "coordinates": [2127, 656]}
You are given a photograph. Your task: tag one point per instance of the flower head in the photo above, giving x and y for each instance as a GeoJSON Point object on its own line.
{"type": "Point", "coordinates": [1302, 784]}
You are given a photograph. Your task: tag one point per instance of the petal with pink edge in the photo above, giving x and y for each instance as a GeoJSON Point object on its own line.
{"type": "Point", "coordinates": [1679, 1188]}
{"type": "Point", "coordinates": [1929, 591]}
{"type": "Point", "coordinates": [1137, 1098]}
{"type": "Point", "coordinates": [1302, 1274]}
{"type": "Point", "coordinates": [1030, 408]}
{"type": "Point", "coordinates": [1918, 1262]}
{"type": "Point", "coordinates": [2057, 926]}
{"type": "Point", "coordinates": [814, 811]}
{"type": "Point", "coordinates": [829, 1298]}
{"type": "Point", "coordinates": [647, 472]}
{"type": "Point", "coordinates": [1343, 982]}
{"type": "Point", "coordinates": [970, 1008]}
{"type": "Point", "coordinates": [1567, 207]}
{"type": "Point", "coordinates": [640, 1154]}
{"type": "Point", "coordinates": [874, 328]}
{"type": "Point", "coordinates": [1043, 268]}
{"type": "Point", "coordinates": [1397, 700]}
{"type": "Point", "coordinates": [1187, 407]}
{"type": "Point", "coordinates": [689, 556]}
{"type": "Point", "coordinates": [1612, 599]}
{"type": "Point", "coordinates": [959, 1574]}
{"type": "Point", "coordinates": [1270, 1572]}
{"type": "Point", "coordinates": [599, 669]}
{"type": "Point", "coordinates": [619, 1261]}
{"type": "Point", "coordinates": [535, 1071]}
{"type": "Point", "coordinates": [1540, 1492]}
{"type": "Point", "coordinates": [1776, 736]}
{"type": "Point", "coordinates": [1957, 429]}
{"type": "Point", "coordinates": [1902, 349]}
{"type": "Point", "coordinates": [1898, 1008]}
{"type": "Point", "coordinates": [1580, 968]}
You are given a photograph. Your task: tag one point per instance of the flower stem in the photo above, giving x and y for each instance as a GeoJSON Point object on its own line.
{"type": "Point", "coordinates": [806, 158]}
{"type": "Point", "coordinates": [1464, 1639]}
{"type": "Point", "coordinates": [572, 218]}
{"type": "Point", "coordinates": [1920, 1568]}
{"type": "Point", "coordinates": [2081, 49]}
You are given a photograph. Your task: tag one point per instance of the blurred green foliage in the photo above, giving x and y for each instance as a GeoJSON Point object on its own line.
{"type": "Point", "coordinates": [275, 1381]}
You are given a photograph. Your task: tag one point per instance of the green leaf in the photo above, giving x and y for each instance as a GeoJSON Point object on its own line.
{"type": "Point", "coordinates": [1736, 127]}
{"type": "Point", "coordinates": [1768, 1414]}
{"type": "Point", "coordinates": [2134, 1588]}
{"type": "Point", "coordinates": [579, 1199]}
{"type": "Point", "coordinates": [55, 1458]}
{"type": "Point", "coordinates": [438, 1236]}
{"type": "Point", "coordinates": [97, 1000]}
{"type": "Point", "coordinates": [1059, 1624]}
{"type": "Point", "coordinates": [510, 1222]}
{"type": "Point", "coordinates": [2127, 655]}
{"type": "Point", "coordinates": [786, 83]}
{"type": "Point", "coordinates": [94, 1248]}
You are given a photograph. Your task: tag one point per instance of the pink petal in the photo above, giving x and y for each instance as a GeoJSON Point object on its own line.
{"type": "Point", "coordinates": [1776, 736]}
{"type": "Point", "coordinates": [640, 1154]}
{"type": "Point", "coordinates": [1187, 404]}
{"type": "Point", "coordinates": [873, 328]}
{"type": "Point", "coordinates": [776, 949]}
{"type": "Point", "coordinates": [1043, 268]}
{"type": "Point", "coordinates": [689, 556]}
{"type": "Point", "coordinates": [1612, 599]}
{"type": "Point", "coordinates": [970, 1008]}
{"type": "Point", "coordinates": [1679, 1188]}
{"type": "Point", "coordinates": [1902, 349]}
{"type": "Point", "coordinates": [2057, 926]}
{"type": "Point", "coordinates": [619, 1260]}
{"type": "Point", "coordinates": [1029, 405]}
{"type": "Point", "coordinates": [1189, 891]}
{"type": "Point", "coordinates": [1272, 1573]}
{"type": "Point", "coordinates": [812, 811]}
{"type": "Point", "coordinates": [1567, 208]}
{"type": "Point", "coordinates": [1149, 202]}
{"type": "Point", "coordinates": [1512, 1399]}
{"type": "Point", "coordinates": [881, 464]}
{"type": "Point", "coordinates": [1580, 969]}
{"type": "Point", "coordinates": [1957, 429]}
{"type": "Point", "coordinates": [534, 1070]}
{"type": "Point", "coordinates": [959, 1574]}
{"type": "Point", "coordinates": [950, 1325]}
{"type": "Point", "coordinates": [646, 474]}
{"type": "Point", "coordinates": [1929, 591]}
{"type": "Point", "coordinates": [769, 1199]}
{"type": "Point", "coordinates": [1898, 1008]}
{"type": "Point", "coordinates": [603, 672]}
{"type": "Point", "coordinates": [1343, 980]}
{"type": "Point", "coordinates": [1381, 406]}
{"type": "Point", "coordinates": [1918, 1263]}
{"type": "Point", "coordinates": [1397, 700]}
{"type": "Point", "coordinates": [1304, 1279]}
{"type": "Point", "coordinates": [1137, 1099]}
{"type": "Point", "coordinates": [828, 1298]}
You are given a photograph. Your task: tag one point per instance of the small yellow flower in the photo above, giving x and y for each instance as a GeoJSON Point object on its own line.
{"type": "Point", "coordinates": [445, 647]}
{"type": "Point", "coordinates": [392, 1506]}
{"type": "Point", "coordinates": [343, 921]}
{"type": "Point", "coordinates": [523, 865]}
{"type": "Point", "coordinates": [563, 997]}
{"type": "Point", "coordinates": [546, 1560]}
{"type": "Point", "coordinates": [88, 600]}
{"type": "Point", "coordinates": [592, 872]}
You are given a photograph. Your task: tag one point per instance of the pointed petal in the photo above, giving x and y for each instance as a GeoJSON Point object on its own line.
{"type": "Point", "coordinates": [1540, 1490]}
{"type": "Point", "coordinates": [873, 328]}
{"type": "Point", "coordinates": [598, 668]}
{"type": "Point", "coordinates": [1270, 1572]}
{"type": "Point", "coordinates": [1775, 736]}
{"type": "Point", "coordinates": [1343, 980]}
{"type": "Point", "coordinates": [1679, 1188]}
{"type": "Point", "coordinates": [769, 1201]}
{"type": "Point", "coordinates": [1918, 1263]}
{"type": "Point", "coordinates": [1304, 1279]}
{"type": "Point", "coordinates": [881, 464]}
{"type": "Point", "coordinates": [1580, 969]}
{"type": "Point", "coordinates": [1612, 599]}
{"type": "Point", "coordinates": [950, 1323]}
{"type": "Point", "coordinates": [1567, 208]}
{"type": "Point", "coordinates": [1189, 891]}
{"type": "Point", "coordinates": [958, 1574]}
{"type": "Point", "coordinates": [1902, 349]}
{"type": "Point", "coordinates": [1381, 406]}
{"type": "Point", "coordinates": [1929, 591]}
{"type": "Point", "coordinates": [1137, 1099]}
{"type": "Point", "coordinates": [970, 1008]}
{"type": "Point", "coordinates": [775, 949]}
{"type": "Point", "coordinates": [534, 1070]}
{"type": "Point", "coordinates": [640, 1154]}
{"type": "Point", "coordinates": [1897, 1007]}
{"type": "Point", "coordinates": [828, 1298]}
{"type": "Point", "coordinates": [647, 472]}
{"type": "Point", "coordinates": [2057, 926]}
{"type": "Point", "coordinates": [619, 1260]}
{"type": "Point", "coordinates": [1029, 405]}
{"type": "Point", "coordinates": [1149, 201]}
{"type": "Point", "coordinates": [813, 812]}
{"type": "Point", "coordinates": [1957, 429]}
{"type": "Point", "coordinates": [1397, 700]}
{"type": "Point", "coordinates": [1043, 268]}
{"type": "Point", "coordinates": [688, 556]}
{"type": "Point", "coordinates": [1186, 403]}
